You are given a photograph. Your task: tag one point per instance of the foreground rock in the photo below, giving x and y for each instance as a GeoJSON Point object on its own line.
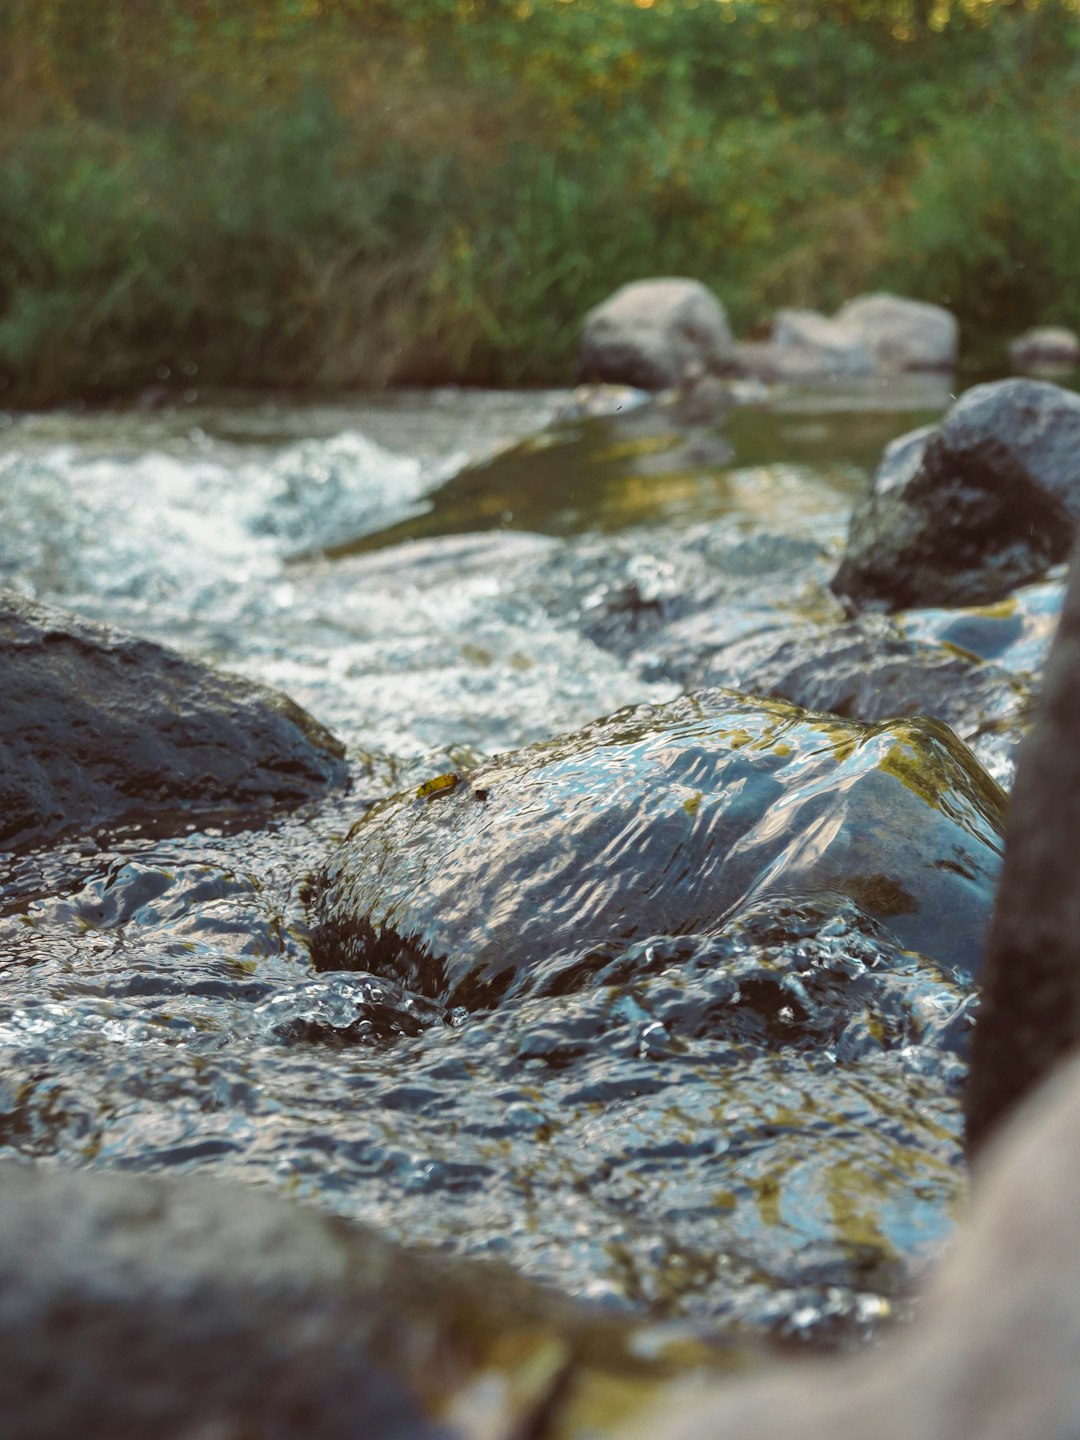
{"type": "Point", "coordinates": [131, 1307]}
{"type": "Point", "coordinates": [962, 513]}
{"type": "Point", "coordinates": [1030, 1016]}
{"type": "Point", "coordinates": [661, 820]}
{"type": "Point", "coordinates": [993, 1352]}
{"type": "Point", "coordinates": [98, 726]}
{"type": "Point", "coordinates": [652, 333]}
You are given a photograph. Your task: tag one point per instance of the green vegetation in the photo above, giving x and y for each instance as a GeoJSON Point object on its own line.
{"type": "Point", "coordinates": [338, 192]}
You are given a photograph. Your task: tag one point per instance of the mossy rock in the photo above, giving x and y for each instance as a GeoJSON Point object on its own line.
{"type": "Point", "coordinates": [531, 870]}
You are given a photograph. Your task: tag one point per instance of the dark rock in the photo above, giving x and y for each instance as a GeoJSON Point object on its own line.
{"type": "Point", "coordinates": [653, 332]}
{"type": "Point", "coordinates": [132, 1308]}
{"type": "Point", "coordinates": [964, 513]}
{"type": "Point", "coordinates": [99, 726]}
{"type": "Point", "coordinates": [1030, 1014]}
{"type": "Point", "coordinates": [661, 820]}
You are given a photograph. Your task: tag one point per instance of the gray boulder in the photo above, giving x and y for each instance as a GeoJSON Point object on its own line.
{"type": "Point", "coordinates": [653, 333]}
{"type": "Point", "coordinates": [902, 334]}
{"type": "Point", "coordinates": [661, 820]}
{"type": "Point", "coordinates": [963, 512]}
{"type": "Point", "coordinates": [195, 1310]}
{"type": "Point", "coordinates": [99, 726]}
{"type": "Point", "coordinates": [1047, 348]}
{"type": "Point", "coordinates": [867, 670]}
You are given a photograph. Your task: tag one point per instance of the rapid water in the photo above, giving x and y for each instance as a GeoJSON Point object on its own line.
{"type": "Point", "coordinates": [761, 1129]}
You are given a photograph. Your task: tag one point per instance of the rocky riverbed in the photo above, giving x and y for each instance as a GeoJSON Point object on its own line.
{"type": "Point", "coordinates": [553, 930]}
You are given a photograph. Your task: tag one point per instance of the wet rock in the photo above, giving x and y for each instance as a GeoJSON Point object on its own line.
{"type": "Point", "coordinates": [131, 1307]}
{"type": "Point", "coordinates": [99, 726]}
{"type": "Point", "coordinates": [993, 1350]}
{"type": "Point", "coordinates": [1015, 633]}
{"type": "Point", "coordinates": [661, 820]}
{"type": "Point", "coordinates": [962, 513]}
{"type": "Point", "coordinates": [902, 334]}
{"type": "Point", "coordinates": [867, 670]}
{"type": "Point", "coordinates": [1031, 1004]}
{"type": "Point", "coordinates": [1048, 349]}
{"type": "Point", "coordinates": [648, 333]}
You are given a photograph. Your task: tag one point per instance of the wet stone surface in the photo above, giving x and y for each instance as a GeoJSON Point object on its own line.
{"type": "Point", "coordinates": [524, 873]}
{"type": "Point", "coordinates": [745, 1112]}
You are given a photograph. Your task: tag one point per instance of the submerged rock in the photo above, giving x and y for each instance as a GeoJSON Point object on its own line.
{"type": "Point", "coordinates": [962, 513]}
{"type": "Point", "coordinates": [131, 1307]}
{"type": "Point", "coordinates": [668, 820]}
{"type": "Point", "coordinates": [99, 725]}
{"type": "Point", "coordinates": [652, 332]}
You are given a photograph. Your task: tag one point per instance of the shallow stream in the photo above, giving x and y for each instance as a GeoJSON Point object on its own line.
{"type": "Point", "coordinates": [760, 1128]}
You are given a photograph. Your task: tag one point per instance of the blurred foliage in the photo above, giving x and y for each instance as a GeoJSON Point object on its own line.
{"type": "Point", "coordinates": [337, 192]}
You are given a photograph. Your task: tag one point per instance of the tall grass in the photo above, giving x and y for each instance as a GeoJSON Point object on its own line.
{"type": "Point", "coordinates": [340, 192]}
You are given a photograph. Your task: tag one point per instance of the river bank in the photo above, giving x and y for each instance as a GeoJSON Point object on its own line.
{"type": "Point", "coordinates": [354, 195]}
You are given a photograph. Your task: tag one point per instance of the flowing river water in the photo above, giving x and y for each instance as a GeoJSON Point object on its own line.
{"type": "Point", "coordinates": [440, 578]}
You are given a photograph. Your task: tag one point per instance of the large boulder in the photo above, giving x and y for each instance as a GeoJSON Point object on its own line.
{"type": "Point", "coordinates": [655, 334]}
{"type": "Point", "coordinates": [993, 1352]}
{"type": "Point", "coordinates": [661, 820]}
{"type": "Point", "coordinates": [132, 1307]}
{"type": "Point", "coordinates": [98, 726]}
{"type": "Point", "coordinates": [963, 512]}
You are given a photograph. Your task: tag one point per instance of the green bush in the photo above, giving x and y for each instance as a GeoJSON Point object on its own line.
{"type": "Point", "coordinates": [990, 227]}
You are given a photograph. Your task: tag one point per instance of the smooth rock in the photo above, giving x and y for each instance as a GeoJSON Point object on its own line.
{"type": "Point", "coordinates": [902, 334]}
{"type": "Point", "coordinates": [651, 332]}
{"type": "Point", "coordinates": [993, 1353]}
{"type": "Point", "coordinates": [195, 1310]}
{"type": "Point", "coordinates": [661, 820]}
{"type": "Point", "coordinates": [98, 726]}
{"type": "Point", "coordinates": [1047, 348]}
{"type": "Point", "coordinates": [962, 513]}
